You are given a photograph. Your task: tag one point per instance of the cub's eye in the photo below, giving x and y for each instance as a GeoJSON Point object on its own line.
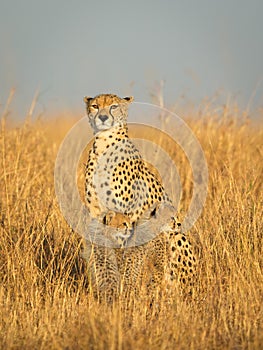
{"type": "Point", "coordinates": [114, 106]}
{"type": "Point", "coordinates": [95, 106]}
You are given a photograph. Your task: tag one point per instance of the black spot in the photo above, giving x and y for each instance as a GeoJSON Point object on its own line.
{"type": "Point", "coordinates": [153, 213]}
{"type": "Point", "coordinates": [108, 192]}
{"type": "Point", "coordinates": [179, 243]}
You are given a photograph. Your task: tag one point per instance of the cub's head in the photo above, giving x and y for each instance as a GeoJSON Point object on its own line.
{"type": "Point", "coordinates": [106, 111]}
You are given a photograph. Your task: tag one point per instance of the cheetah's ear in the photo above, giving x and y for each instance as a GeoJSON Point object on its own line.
{"type": "Point", "coordinates": [86, 99]}
{"type": "Point", "coordinates": [129, 99]}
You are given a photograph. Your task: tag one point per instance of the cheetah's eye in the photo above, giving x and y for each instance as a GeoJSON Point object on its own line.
{"type": "Point", "coordinates": [114, 106]}
{"type": "Point", "coordinates": [95, 106]}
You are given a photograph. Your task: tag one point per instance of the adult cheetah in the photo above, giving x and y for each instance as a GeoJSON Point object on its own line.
{"type": "Point", "coordinates": [124, 192]}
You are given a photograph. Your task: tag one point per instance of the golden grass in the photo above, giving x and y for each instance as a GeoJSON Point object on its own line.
{"type": "Point", "coordinates": [45, 302]}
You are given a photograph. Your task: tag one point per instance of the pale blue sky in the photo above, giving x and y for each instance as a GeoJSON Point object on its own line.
{"type": "Point", "coordinates": [68, 49]}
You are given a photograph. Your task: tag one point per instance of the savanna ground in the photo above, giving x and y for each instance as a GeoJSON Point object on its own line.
{"type": "Point", "coordinates": [44, 293]}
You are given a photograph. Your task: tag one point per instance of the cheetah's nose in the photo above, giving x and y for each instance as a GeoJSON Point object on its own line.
{"type": "Point", "coordinates": [103, 118]}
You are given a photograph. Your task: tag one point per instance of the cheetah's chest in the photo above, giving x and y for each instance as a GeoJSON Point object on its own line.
{"type": "Point", "coordinates": [109, 171]}
{"type": "Point", "coordinates": [119, 180]}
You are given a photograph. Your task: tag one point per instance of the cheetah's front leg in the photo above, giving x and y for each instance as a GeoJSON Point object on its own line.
{"type": "Point", "coordinates": [104, 273]}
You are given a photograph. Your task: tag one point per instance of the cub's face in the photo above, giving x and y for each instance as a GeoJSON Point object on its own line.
{"type": "Point", "coordinates": [107, 111]}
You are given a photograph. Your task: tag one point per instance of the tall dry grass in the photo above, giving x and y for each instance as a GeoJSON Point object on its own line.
{"type": "Point", "coordinates": [44, 292]}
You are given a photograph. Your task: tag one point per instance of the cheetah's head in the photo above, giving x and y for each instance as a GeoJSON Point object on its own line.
{"type": "Point", "coordinates": [106, 111]}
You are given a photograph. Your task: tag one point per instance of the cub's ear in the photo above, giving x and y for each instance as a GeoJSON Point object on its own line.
{"type": "Point", "coordinates": [129, 99]}
{"type": "Point", "coordinates": [86, 99]}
